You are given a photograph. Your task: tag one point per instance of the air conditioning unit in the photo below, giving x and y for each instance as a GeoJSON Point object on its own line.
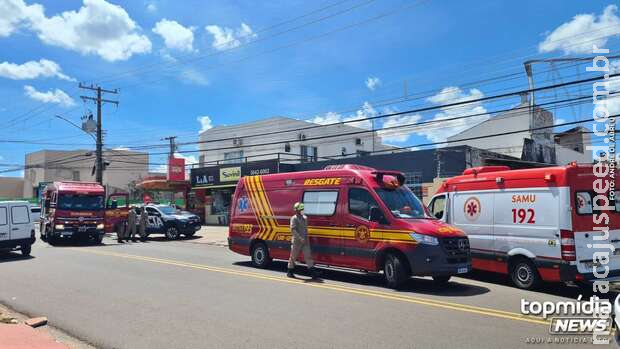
{"type": "Point", "coordinates": [302, 137]}
{"type": "Point", "coordinates": [358, 141]}
{"type": "Point", "coordinates": [237, 142]}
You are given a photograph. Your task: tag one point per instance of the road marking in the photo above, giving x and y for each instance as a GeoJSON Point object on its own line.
{"type": "Point", "coordinates": [347, 289]}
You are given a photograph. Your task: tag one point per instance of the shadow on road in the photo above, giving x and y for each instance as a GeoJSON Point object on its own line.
{"type": "Point", "coordinates": [413, 285]}
{"type": "Point", "coordinates": [13, 257]}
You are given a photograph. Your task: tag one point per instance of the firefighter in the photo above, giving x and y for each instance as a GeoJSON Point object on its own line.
{"type": "Point", "coordinates": [300, 242]}
{"type": "Point", "coordinates": [144, 218]}
{"type": "Point", "coordinates": [132, 221]}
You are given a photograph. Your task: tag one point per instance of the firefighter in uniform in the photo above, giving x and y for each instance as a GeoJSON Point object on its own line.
{"type": "Point", "coordinates": [300, 242]}
{"type": "Point", "coordinates": [132, 221]}
{"type": "Point", "coordinates": [144, 218]}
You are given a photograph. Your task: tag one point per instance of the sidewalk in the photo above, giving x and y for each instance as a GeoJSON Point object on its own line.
{"type": "Point", "coordinates": [211, 235]}
{"type": "Point", "coordinates": [15, 334]}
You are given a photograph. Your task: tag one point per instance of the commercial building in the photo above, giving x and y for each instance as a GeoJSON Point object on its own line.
{"type": "Point", "coordinates": [308, 142]}
{"type": "Point", "coordinates": [537, 144]}
{"type": "Point", "coordinates": [123, 167]}
{"type": "Point", "coordinates": [11, 187]}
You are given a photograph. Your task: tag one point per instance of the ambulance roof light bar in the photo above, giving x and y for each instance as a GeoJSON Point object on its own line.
{"type": "Point", "coordinates": [484, 169]}
{"type": "Point", "coordinates": [348, 167]}
{"type": "Point", "coordinates": [399, 176]}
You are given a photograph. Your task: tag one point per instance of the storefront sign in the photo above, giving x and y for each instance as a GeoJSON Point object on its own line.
{"type": "Point", "coordinates": [176, 169]}
{"type": "Point", "coordinates": [230, 174]}
{"type": "Point", "coordinates": [221, 175]}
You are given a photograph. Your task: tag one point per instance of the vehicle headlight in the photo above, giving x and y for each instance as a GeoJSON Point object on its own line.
{"type": "Point", "coordinates": [100, 226]}
{"type": "Point", "coordinates": [59, 227]}
{"type": "Point", "coordinates": [425, 239]}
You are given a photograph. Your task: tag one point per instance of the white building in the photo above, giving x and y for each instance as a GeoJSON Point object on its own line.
{"type": "Point", "coordinates": [77, 165]}
{"type": "Point", "coordinates": [531, 145]}
{"type": "Point", "coordinates": [241, 142]}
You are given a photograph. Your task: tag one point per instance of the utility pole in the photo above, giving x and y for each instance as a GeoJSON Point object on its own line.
{"type": "Point", "coordinates": [173, 146]}
{"type": "Point", "coordinates": [99, 101]}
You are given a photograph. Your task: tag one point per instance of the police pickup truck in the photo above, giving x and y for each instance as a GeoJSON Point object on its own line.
{"type": "Point", "coordinates": [167, 220]}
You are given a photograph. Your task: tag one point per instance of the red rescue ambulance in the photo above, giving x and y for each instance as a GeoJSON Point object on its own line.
{"type": "Point", "coordinates": [358, 218]}
{"type": "Point", "coordinates": [534, 224]}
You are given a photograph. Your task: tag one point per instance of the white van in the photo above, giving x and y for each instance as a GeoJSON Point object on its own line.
{"type": "Point", "coordinates": [16, 226]}
{"type": "Point", "coordinates": [534, 224]}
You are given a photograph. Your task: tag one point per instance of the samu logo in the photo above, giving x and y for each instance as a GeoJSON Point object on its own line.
{"type": "Point", "coordinates": [243, 204]}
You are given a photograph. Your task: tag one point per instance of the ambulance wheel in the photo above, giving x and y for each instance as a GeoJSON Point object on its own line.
{"type": "Point", "coordinates": [172, 233]}
{"type": "Point", "coordinates": [441, 280]}
{"type": "Point", "coordinates": [524, 274]}
{"type": "Point", "coordinates": [395, 271]}
{"type": "Point", "coordinates": [260, 255]}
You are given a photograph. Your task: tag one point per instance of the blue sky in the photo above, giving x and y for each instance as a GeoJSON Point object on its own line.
{"type": "Point", "coordinates": [175, 64]}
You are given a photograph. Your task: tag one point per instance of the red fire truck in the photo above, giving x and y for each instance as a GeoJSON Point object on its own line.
{"type": "Point", "coordinates": [534, 224]}
{"type": "Point", "coordinates": [358, 218]}
{"type": "Point", "coordinates": [76, 209]}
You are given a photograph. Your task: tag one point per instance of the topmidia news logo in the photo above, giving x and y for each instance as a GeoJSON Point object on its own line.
{"type": "Point", "coordinates": [593, 317]}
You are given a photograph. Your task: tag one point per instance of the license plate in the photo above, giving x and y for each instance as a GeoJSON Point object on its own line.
{"type": "Point", "coordinates": [462, 270]}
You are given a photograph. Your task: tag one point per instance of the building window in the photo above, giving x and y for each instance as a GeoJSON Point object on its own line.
{"type": "Point", "coordinates": [309, 154]}
{"type": "Point", "coordinates": [287, 147]}
{"type": "Point", "coordinates": [233, 157]}
{"type": "Point", "coordinates": [413, 180]}
{"type": "Point", "coordinates": [76, 175]}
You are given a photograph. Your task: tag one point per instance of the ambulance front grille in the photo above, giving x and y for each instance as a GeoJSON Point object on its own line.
{"type": "Point", "coordinates": [457, 249]}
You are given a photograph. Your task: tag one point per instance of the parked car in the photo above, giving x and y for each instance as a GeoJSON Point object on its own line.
{"type": "Point", "coordinates": [167, 220]}
{"type": "Point", "coordinates": [16, 227]}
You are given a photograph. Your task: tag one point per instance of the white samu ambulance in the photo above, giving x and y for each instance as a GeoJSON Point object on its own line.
{"type": "Point", "coordinates": [533, 224]}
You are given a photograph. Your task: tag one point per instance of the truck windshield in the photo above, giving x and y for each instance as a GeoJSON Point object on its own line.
{"type": "Point", "coordinates": [80, 202]}
{"type": "Point", "coordinates": [402, 203]}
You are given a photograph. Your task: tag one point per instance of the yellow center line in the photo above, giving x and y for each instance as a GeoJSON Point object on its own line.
{"type": "Point", "coordinates": [353, 290]}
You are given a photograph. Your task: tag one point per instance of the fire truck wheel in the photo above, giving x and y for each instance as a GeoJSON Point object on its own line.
{"type": "Point", "coordinates": [524, 274]}
{"type": "Point", "coordinates": [260, 255]}
{"type": "Point", "coordinates": [172, 233]}
{"type": "Point", "coordinates": [395, 271]}
{"type": "Point", "coordinates": [441, 280]}
{"type": "Point", "coordinates": [26, 249]}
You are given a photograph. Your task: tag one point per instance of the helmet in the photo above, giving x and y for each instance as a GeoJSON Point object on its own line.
{"type": "Point", "coordinates": [298, 206]}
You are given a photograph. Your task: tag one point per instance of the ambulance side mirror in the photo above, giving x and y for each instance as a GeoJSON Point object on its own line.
{"type": "Point", "coordinates": [377, 216]}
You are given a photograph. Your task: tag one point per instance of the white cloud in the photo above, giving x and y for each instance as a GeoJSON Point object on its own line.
{"type": "Point", "coordinates": [559, 121]}
{"type": "Point", "coordinates": [205, 123]}
{"type": "Point", "coordinates": [366, 111]}
{"type": "Point", "coordinates": [398, 131]}
{"type": "Point", "coordinates": [97, 27]}
{"type": "Point", "coordinates": [226, 38]}
{"type": "Point", "coordinates": [583, 31]}
{"type": "Point", "coordinates": [372, 83]}
{"type": "Point", "coordinates": [56, 96]}
{"type": "Point", "coordinates": [193, 76]}
{"type": "Point", "coordinates": [32, 70]}
{"type": "Point", "coordinates": [440, 131]}
{"type": "Point", "coordinates": [175, 35]}
{"type": "Point", "coordinates": [151, 7]}
{"type": "Point", "coordinates": [14, 13]}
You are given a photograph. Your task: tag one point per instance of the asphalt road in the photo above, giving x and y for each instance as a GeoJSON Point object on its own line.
{"type": "Point", "coordinates": [178, 294]}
